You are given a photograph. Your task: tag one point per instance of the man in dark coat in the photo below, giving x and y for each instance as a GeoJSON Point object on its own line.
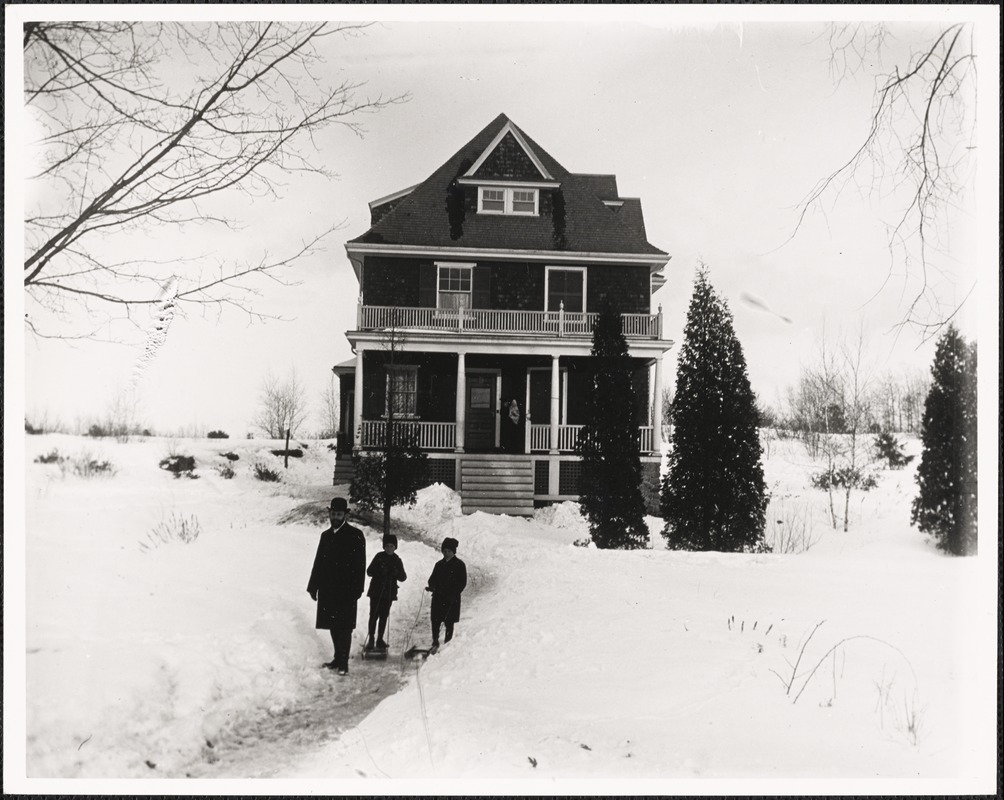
{"type": "Point", "coordinates": [447, 581]}
{"type": "Point", "coordinates": [336, 581]}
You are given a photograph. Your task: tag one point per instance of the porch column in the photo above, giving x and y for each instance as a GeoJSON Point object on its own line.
{"type": "Point", "coordinates": [461, 413]}
{"type": "Point", "coordinates": [357, 431]}
{"type": "Point", "coordinates": [657, 407]}
{"type": "Point", "coordinates": [555, 404]}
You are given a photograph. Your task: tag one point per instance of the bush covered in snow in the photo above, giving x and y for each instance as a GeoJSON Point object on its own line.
{"type": "Point", "coordinates": [179, 465]}
{"type": "Point", "coordinates": [265, 473]}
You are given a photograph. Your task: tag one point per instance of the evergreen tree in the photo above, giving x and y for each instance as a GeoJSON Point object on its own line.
{"type": "Point", "coordinates": [610, 490]}
{"type": "Point", "coordinates": [390, 475]}
{"type": "Point", "coordinates": [713, 495]}
{"type": "Point", "coordinates": [946, 505]}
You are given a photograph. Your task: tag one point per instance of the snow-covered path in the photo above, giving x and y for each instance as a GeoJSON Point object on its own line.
{"type": "Point", "coordinates": [267, 745]}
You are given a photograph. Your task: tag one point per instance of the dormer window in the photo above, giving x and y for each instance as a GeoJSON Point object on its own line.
{"type": "Point", "coordinates": [508, 200]}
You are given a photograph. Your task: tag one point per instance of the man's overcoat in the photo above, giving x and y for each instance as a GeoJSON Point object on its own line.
{"type": "Point", "coordinates": [338, 576]}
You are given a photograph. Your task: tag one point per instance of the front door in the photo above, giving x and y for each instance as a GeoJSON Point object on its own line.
{"type": "Point", "coordinates": [479, 430]}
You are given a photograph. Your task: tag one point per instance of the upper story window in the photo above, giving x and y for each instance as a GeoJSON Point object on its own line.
{"type": "Point", "coordinates": [508, 200]}
{"type": "Point", "coordinates": [565, 285]}
{"type": "Point", "coordinates": [453, 287]}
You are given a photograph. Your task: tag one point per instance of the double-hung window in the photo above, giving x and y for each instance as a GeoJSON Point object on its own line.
{"type": "Point", "coordinates": [402, 391]}
{"type": "Point", "coordinates": [508, 200]}
{"type": "Point", "coordinates": [565, 286]}
{"type": "Point", "coordinates": [453, 289]}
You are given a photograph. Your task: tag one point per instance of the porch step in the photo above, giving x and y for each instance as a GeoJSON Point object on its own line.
{"type": "Point", "coordinates": [344, 471]}
{"type": "Point", "coordinates": [503, 486]}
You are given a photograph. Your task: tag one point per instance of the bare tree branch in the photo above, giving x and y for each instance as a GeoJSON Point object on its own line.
{"type": "Point", "coordinates": [144, 121]}
{"type": "Point", "coordinates": [919, 150]}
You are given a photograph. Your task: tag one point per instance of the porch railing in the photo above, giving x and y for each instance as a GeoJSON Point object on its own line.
{"type": "Point", "coordinates": [555, 323]}
{"type": "Point", "coordinates": [540, 437]}
{"type": "Point", "coordinates": [430, 435]}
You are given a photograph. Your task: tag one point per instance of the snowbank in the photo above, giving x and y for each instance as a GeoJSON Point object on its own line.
{"type": "Point", "coordinates": [569, 663]}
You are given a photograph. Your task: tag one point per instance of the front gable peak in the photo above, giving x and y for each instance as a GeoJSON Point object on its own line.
{"type": "Point", "coordinates": [508, 158]}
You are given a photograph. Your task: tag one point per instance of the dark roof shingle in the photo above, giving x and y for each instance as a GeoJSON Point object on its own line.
{"type": "Point", "coordinates": [423, 217]}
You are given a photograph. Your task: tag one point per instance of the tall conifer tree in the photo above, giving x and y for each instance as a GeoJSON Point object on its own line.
{"type": "Point", "coordinates": [713, 495]}
{"type": "Point", "coordinates": [610, 492]}
{"type": "Point", "coordinates": [946, 505]}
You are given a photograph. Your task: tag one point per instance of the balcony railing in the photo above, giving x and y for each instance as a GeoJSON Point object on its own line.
{"type": "Point", "coordinates": [553, 323]}
{"type": "Point", "coordinates": [443, 435]}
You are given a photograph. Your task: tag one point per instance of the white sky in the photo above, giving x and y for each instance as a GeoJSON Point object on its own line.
{"type": "Point", "coordinates": [720, 119]}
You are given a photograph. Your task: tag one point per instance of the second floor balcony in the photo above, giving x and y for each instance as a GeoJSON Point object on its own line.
{"type": "Point", "coordinates": [461, 319]}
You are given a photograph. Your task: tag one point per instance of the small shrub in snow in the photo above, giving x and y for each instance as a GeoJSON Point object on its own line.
{"type": "Point", "coordinates": [85, 466]}
{"type": "Point", "coordinates": [225, 471]}
{"type": "Point", "coordinates": [889, 449]}
{"type": "Point", "coordinates": [179, 465]}
{"type": "Point", "coordinates": [52, 457]}
{"type": "Point", "coordinates": [175, 528]}
{"type": "Point", "coordinates": [97, 431]}
{"type": "Point", "coordinates": [844, 478]}
{"type": "Point", "coordinates": [217, 435]}
{"type": "Point", "coordinates": [231, 456]}
{"type": "Point", "coordinates": [263, 473]}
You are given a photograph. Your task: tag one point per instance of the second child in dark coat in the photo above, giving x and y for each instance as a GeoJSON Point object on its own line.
{"type": "Point", "coordinates": [385, 570]}
{"type": "Point", "coordinates": [447, 582]}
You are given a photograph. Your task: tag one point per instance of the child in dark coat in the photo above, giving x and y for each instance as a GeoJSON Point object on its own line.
{"type": "Point", "coordinates": [385, 571]}
{"type": "Point", "coordinates": [447, 582]}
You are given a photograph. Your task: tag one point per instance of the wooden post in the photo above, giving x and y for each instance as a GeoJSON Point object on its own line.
{"type": "Point", "coordinates": [286, 464]}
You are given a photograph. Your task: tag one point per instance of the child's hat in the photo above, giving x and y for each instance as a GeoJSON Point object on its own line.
{"type": "Point", "coordinates": [451, 544]}
{"type": "Point", "coordinates": [390, 538]}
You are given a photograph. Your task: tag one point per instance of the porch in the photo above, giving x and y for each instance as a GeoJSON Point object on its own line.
{"type": "Point", "coordinates": [484, 402]}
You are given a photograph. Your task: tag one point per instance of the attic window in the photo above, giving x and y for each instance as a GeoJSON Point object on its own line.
{"type": "Point", "coordinates": [507, 200]}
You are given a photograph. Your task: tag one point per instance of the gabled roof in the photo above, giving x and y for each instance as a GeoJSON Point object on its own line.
{"type": "Point", "coordinates": [501, 152]}
{"type": "Point", "coordinates": [506, 157]}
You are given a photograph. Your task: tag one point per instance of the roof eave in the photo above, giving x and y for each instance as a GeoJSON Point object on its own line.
{"type": "Point", "coordinates": [358, 250]}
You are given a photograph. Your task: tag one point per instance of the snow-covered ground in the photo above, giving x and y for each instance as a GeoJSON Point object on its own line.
{"type": "Point", "coordinates": [869, 656]}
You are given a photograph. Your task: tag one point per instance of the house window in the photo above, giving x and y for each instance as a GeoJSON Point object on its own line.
{"type": "Point", "coordinates": [506, 200]}
{"type": "Point", "coordinates": [565, 285]}
{"type": "Point", "coordinates": [402, 391]}
{"type": "Point", "coordinates": [524, 201]}
{"type": "Point", "coordinates": [454, 286]}
{"type": "Point", "coordinates": [492, 201]}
